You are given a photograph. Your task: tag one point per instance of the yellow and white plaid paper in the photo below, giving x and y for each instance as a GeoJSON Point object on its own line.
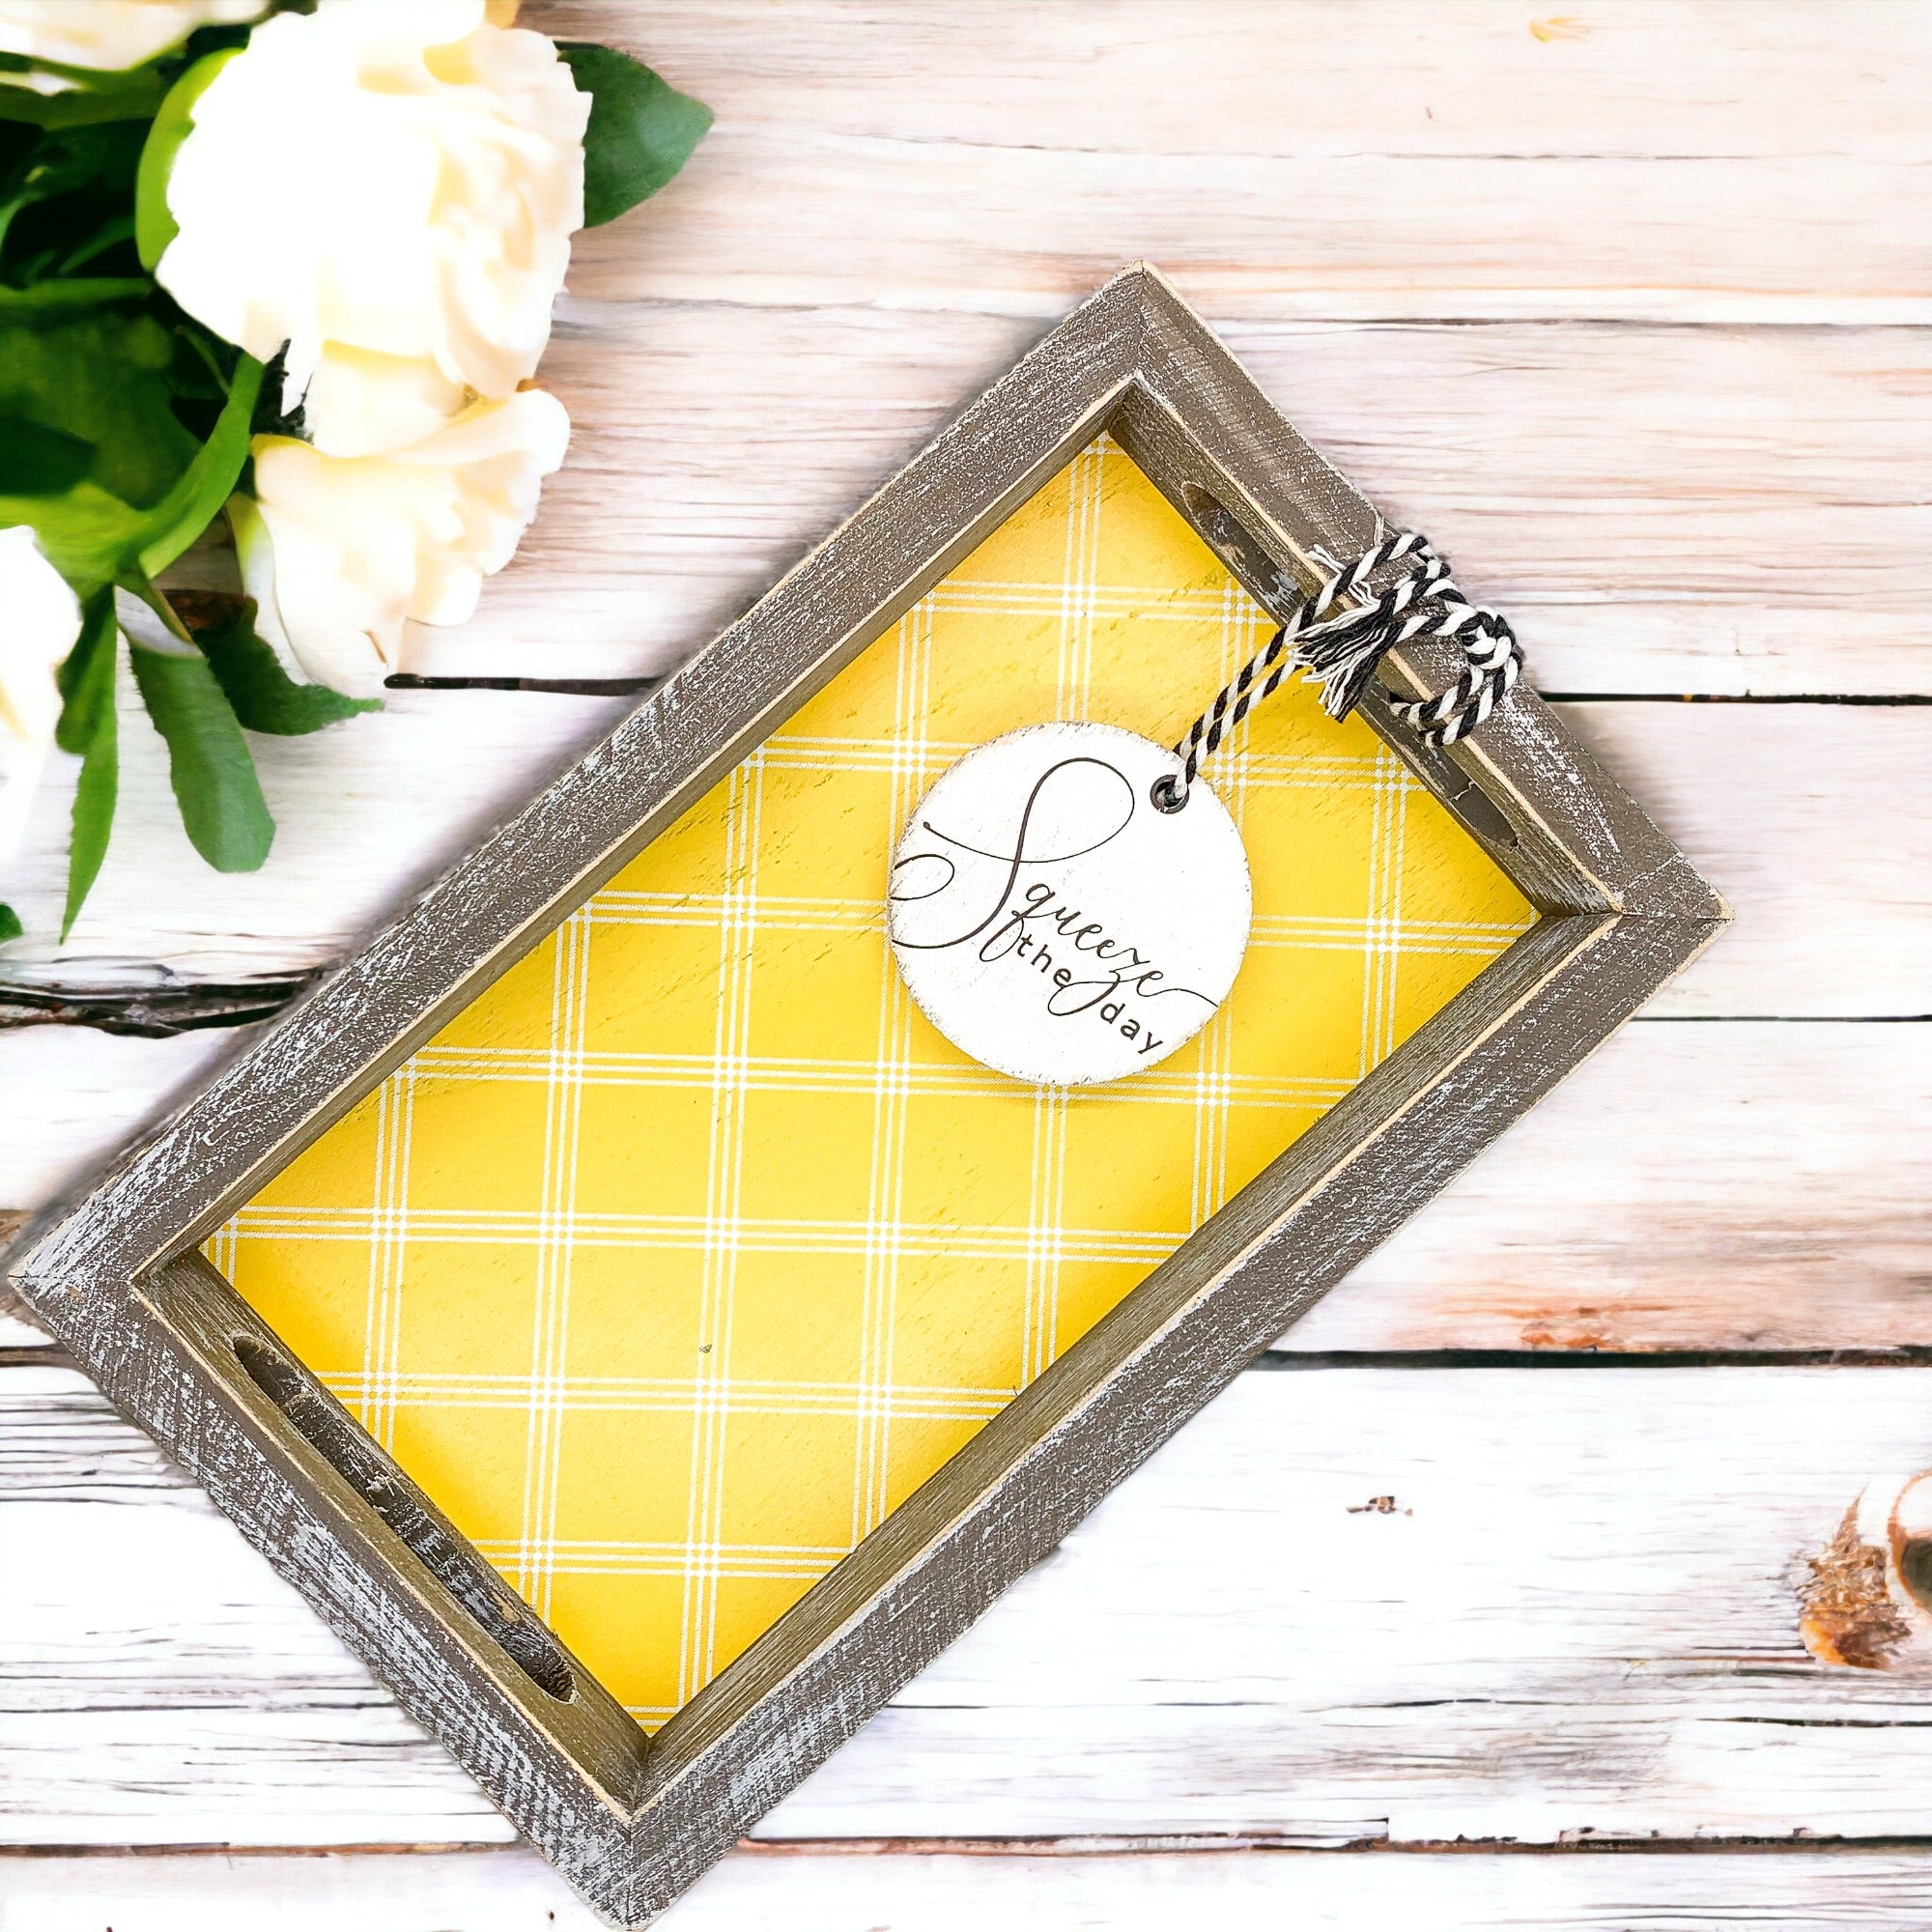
{"type": "Point", "coordinates": [690, 1249]}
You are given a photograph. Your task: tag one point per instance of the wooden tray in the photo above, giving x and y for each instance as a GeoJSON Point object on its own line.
{"type": "Point", "coordinates": [684, 1279]}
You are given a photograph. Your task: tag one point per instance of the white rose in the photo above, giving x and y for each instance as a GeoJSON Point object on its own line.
{"type": "Point", "coordinates": [40, 619]}
{"type": "Point", "coordinates": [338, 551]}
{"type": "Point", "coordinates": [390, 186]}
{"type": "Point", "coordinates": [111, 34]}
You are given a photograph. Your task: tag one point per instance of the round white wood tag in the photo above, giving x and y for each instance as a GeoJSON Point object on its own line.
{"type": "Point", "coordinates": [1052, 921]}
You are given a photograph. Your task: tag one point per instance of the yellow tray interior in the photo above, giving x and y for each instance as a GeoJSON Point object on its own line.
{"type": "Point", "coordinates": [688, 1251]}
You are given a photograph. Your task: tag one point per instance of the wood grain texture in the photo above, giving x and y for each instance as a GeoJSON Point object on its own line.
{"type": "Point", "coordinates": [1093, 1885]}
{"type": "Point", "coordinates": [73, 1094]}
{"type": "Point", "coordinates": [1749, 1186]}
{"type": "Point", "coordinates": [1578, 1618]}
{"type": "Point", "coordinates": [1498, 172]}
{"type": "Point", "coordinates": [1651, 518]}
{"type": "Point", "coordinates": [272, 1718]}
{"type": "Point", "coordinates": [365, 818]}
{"type": "Point", "coordinates": [1808, 817]}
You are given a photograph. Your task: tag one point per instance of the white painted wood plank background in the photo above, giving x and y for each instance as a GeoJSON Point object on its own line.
{"type": "Point", "coordinates": [1630, 307]}
{"type": "Point", "coordinates": [1578, 1621]}
{"type": "Point", "coordinates": [512, 1890]}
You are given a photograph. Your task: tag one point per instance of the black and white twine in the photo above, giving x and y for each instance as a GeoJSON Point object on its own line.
{"type": "Point", "coordinates": [1341, 652]}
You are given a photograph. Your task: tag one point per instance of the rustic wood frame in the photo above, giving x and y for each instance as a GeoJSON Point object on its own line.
{"type": "Point", "coordinates": [631, 1820]}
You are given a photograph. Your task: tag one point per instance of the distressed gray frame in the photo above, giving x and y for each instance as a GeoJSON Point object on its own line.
{"type": "Point", "coordinates": [631, 1820]}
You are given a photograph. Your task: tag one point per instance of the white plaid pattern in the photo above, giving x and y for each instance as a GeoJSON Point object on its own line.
{"type": "Point", "coordinates": [762, 1446]}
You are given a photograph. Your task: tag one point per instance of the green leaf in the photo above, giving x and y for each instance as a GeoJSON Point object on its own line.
{"type": "Point", "coordinates": [265, 698]}
{"type": "Point", "coordinates": [67, 198]}
{"type": "Point", "coordinates": [94, 800]}
{"type": "Point", "coordinates": [108, 235]}
{"type": "Point", "coordinates": [214, 777]}
{"type": "Point", "coordinates": [154, 226]}
{"type": "Point", "coordinates": [87, 726]}
{"type": "Point", "coordinates": [136, 96]}
{"type": "Point", "coordinates": [47, 300]}
{"type": "Point", "coordinates": [193, 504]}
{"type": "Point", "coordinates": [197, 373]}
{"type": "Point", "coordinates": [107, 378]}
{"type": "Point", "coordinates": [36, 461]}
{"type": "Point", "coordinates": [86, 368]}
{"type": "Point", "coordinates": [642, 130]}
{"type": "Point", "coordinates": [85, 678]}
{"type": "Point", "coordinates": [10, 923]}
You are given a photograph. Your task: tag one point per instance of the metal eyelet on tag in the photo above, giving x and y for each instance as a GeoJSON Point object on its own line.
{"type": "Point", "coordinates": [1054, 919]}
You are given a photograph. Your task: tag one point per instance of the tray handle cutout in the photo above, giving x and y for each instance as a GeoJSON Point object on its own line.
{"type": "Point", "coordinates": [334, 1435]}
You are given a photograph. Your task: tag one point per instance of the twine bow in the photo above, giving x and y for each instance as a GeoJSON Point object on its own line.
{"type": "Point", "coordinates": [1341, 651]}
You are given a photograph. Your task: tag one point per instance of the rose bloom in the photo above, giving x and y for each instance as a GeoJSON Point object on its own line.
{"type": "Point", "coordinates": [39, 620]}
{"type": "Point", "coordinates": [111, 34]}
{"type": "Point", "coordinates": [338, 551]}
{"type": "Point", "coordinates": [389, 188]}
